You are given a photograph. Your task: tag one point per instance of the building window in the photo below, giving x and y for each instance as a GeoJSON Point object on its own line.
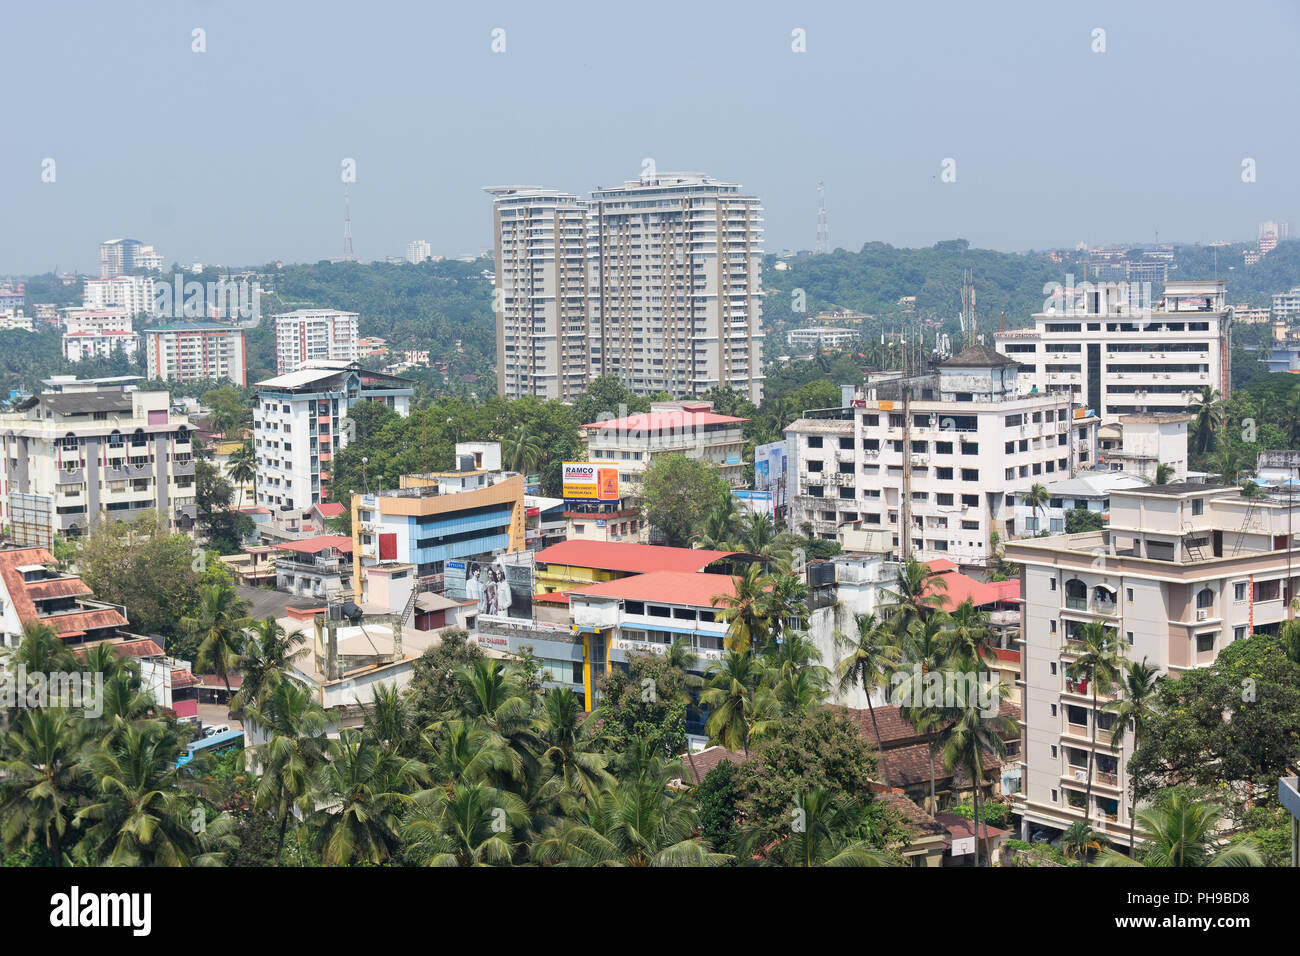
{"type": "Point", "coordinates": [1205, 598]}
{"type": "Point", "coordinates": [1204, 643]}
{"type": "Point", "coordinates": [1198, 506]}
{"type": "Point", "coordinates": [1238, 591]}
{"type": "Point", "coordinates": [1239, 633]}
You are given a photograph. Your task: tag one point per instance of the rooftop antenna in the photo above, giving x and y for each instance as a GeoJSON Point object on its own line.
{"type": "Point", "coordinates": [823, 234]}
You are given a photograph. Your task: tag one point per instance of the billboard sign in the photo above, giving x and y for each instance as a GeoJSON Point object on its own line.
{"type": "Point", "coordinates": [589, 481]}
{"type": "Point", "coordinates": [771, 463]}
{"type": "Point", "coordinates": [759, 502]}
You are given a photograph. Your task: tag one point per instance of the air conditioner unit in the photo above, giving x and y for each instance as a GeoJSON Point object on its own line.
{"type": "Point", "coordinates": [1202, 614]}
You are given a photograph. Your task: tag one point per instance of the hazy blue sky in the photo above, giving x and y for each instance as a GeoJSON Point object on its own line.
{"type": "Point", "coordinates": [233, 155]}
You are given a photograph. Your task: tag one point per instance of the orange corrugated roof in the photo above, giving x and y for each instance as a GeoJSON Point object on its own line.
{"type": "Point", "coordinates": [633, 558]}
{"type": "Point", "coordinates": [672, 587]}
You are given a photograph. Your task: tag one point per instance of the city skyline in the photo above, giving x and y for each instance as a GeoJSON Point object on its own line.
{"type": "Point", "coordinates": [255, 174]}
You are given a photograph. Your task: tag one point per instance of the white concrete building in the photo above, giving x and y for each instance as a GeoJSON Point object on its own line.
{"type": "Point", "coordinates": [83, 450]}
{"type": "Point", "coordinates": [543, 330]}
{"type": "Point", "coordinates": [938, 461]}
{"type": "Point", "coordinates": [314, 335]}
{"type": "Point", "coordinates": [97, 333]}
{"type": "Point", "coordinates": [1182, 571]}
{"type": "Point", "coordinates": [820, 336]}
{"type": "Point", "coordinates": [194, 351]}
{"type": "Point", "coordinates": [657, 281]}
{"type": "Point", "coordinates": [676, 285]}
{"type": "Point", "coordinates": [298, 425]}
{"type": "Point", "coordinates": [135, 294]}
{"type": "Point", "coordinates": [1117, 360]}
{"type": "Point", "coordinates": [117, 257]}
{"type": "Point", "coordinates": [1088, 491]}
{"type": "Point", "coordinates": [418, 251]}
{"type": "Point", "coordinates": [1286, 306]}
{"type": "Point", "coordinates": [1140, 444]}
{"type": "Point", "coordinates": [681, 428]}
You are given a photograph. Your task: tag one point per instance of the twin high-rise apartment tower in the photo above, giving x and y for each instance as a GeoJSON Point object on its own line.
{"type": "Point", "coordinates": [657, 281]}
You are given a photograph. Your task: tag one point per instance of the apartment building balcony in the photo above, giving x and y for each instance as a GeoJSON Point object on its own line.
{"type": "Point", "coordinates": [73, 476]}
{"type": "Point", "coordinates": [183, 468]}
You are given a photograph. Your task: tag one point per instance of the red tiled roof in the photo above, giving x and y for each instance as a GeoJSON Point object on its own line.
{"type": "Point", "coordinates": [672, 587]}
{"type": "Point", "coordinates": [330, 509]}
{"type": "Point", "coordinates": [698, 765]}
{"type": "Point", "coordinates": [10, 562]}
{"type": "Point", "coordinates": [215, 681]}
{"type": "Point", "coordinates": [60, 587]}
{"type": "Point", "coordinates": [183, 678]}
{"type": "Point", "coordinates": [632, 558]}
{"type": "Point", "coordinates": [141, 647]}
{"type": "Point", "coordinates": [940, 565]}
{"type": "Point", "coordinates": [72, 625]}
{"type": "Point", "coordinates": [555, 597]}
{"type": "Point", "coordinates": [959, 827]}
{"type": "Point", "coordinates": [318, 544]}
{"type": "Point", "coordinates": [656, 422]}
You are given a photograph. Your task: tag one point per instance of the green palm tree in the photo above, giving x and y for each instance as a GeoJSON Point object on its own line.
{"type": "Point", "coordinates": [465, 751]}
{"type": "Point", "coordinates": [872, 659]}
{"type": "Point", "coordinates": [740, 707]}
{"type": "Point", "coordinates": [746, 613]}
{"type": "Point", "coordinates": [1096, 661]}
{"type": "Point", "coordinates": [41, 651]}
{"type": "Point", "coordinates": [1164, 471]}
{"type": "Point", "coordinates": [43, 776]}
{"type": "Point", "coordinates": [721, 527]}
{"type": "Point", "coordinates": [799, 681]}
{"type": "Point", "coordinates": [966, 742]}
{"type": "Point", "coordinates": [968, 636]}
{"type": "Point", "coordinates": [1208, 407]}
{"type": "Point", "coordinates": [292, 754]}
{"type": "Point", "coordinates": [1037, 498]}
{"type": "Point", "coordinates": [822, 832]}
{"type": "Point", "coordinates": [218, 624]}
{"type": "Point", "coordinates": [1182, 833]}
{"type": "Point", "coordinates": [567, 751]}
{"type": "Point", "coordinates": [267, 655]}
{"type": "Point", "coordinates": [1080, 839]}
{"type": "Point", "coordinates": [1139, 689]}
{"type": "Point", "coordinates": [785, 602]}
{"type": "Point", "coordinates": [522, 450]}
{"type": "Point", "coordinates": [467, 824]}
{"type": "Point", "coordinates": [242, 469]}
{"type": "Point", "coordinates": [916, 594]}
{"type": "Point", "coordinates": [388, 718]}
{"type": "Point", "coordinates": [141, 813]}
{"type": "Point", "coordinates": [636, 820]}
{"type": "Point", "coordinates": [364, 791]}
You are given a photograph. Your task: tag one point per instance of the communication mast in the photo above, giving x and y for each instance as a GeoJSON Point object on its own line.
{"type": "Point", "coordinates": [823, 234]}
{"type": "Point", "coordinates": [968, 323]}
{"type": "Point", "coordinates": [348, 255]}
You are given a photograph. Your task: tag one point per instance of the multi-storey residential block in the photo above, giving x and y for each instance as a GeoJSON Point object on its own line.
{"type": "Point", "coordinates": [298, 426]}
{"type": "Point", "coordinates": [32, 592]}
{"type": "Point", "coordinates": [14, 319]}
{"type": "Point", "coordinates": [188, 352]}
{"type": "Point", "coordinates": [676, 285]}
{"type": "Point", "coordinates": [1182, 571]}
{"type": "Point", "coordinates": [117, 257]}
{"type": "Point", "coordinates": [147, 257]}
{"type": "Point", "coordinates": [467, 516]}
{"type": "Point", "coordinates": [541, 239]}
{"type": "Point", "coordinates": [135, 294]}
{"type": "Point", "coordinates": [1089, 491]}
{"type": "Point", "coordinates": [657, 281]}
{"type": "Point", "coordinates": [669, 428]}
{"type": "Point", "coordinates": [1118, 360]}
{"type": "Point", "coordinates": [97, 333]}
{"type": "Point", "coordinates": [937, 461]}
{"type": "Point", "coordinates": [312, 335]}
{"type": "Point", "coordinates": [418, 251]}
{"type": "Point", "coordinates": [84, 450]}
{"type": "Point", "coordinates": [821, 337]}
{"type": "Point", "coordinates": [1286, 306]}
